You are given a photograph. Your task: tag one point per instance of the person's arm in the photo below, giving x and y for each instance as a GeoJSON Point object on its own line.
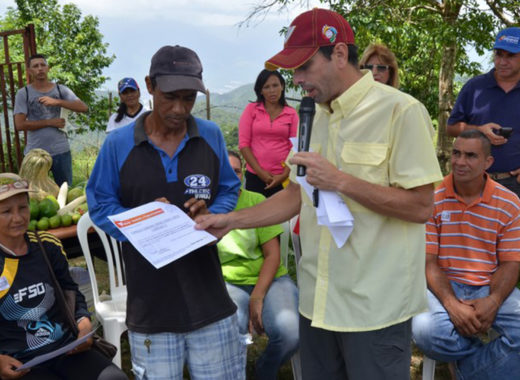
{"type": "Point", "coordinates": [229, 184]}
{"type": "Point", "coordinates": [84, 327]}
{"type": "Point", "coordinates": [276, 209]}
{"type": "Point", "coordinates": [74, 105]}
{"type": "Point", "coordinates": [271, 251]}
{"type": "Point", "coordinates": [412, 205]}
{"type": "Point", "coordinates": [463, 316]}
{"type": "Point", "coordinates": [503, 281]}
{"type": "Point", "coordinates": [22, 124]}
{"type": "Point", "coordinates": [487, 129]}
{"type": "Point", "coordinates": [61, 271]}
{"type": "Point", "coordinates": [250, 158]}
{"type": "Point", "coordinates": [103, 185]}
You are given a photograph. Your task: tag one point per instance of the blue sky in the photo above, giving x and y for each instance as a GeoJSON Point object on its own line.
{"type": "Point", "coordinates": [231, 56]}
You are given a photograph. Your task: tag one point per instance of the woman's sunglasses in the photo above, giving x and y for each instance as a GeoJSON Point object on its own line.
{"type": "Point", "coordinates": [380, 68]}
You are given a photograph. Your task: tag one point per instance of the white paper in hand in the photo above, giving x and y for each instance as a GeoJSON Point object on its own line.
{"type": "Point", "coordinates": [161, 232]}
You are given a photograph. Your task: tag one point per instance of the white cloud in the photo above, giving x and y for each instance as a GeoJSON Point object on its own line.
{"type": "Point", "coordinates": [196, 12]}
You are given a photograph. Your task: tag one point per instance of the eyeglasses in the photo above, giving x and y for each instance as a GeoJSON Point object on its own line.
{"type": "Point", "coordinates": [379, 68]}
{"type": "Point", "coordinates": [17, 185]}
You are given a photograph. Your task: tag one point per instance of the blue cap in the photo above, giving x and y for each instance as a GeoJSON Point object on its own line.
{"type": "Point", "coordinates": [127, 83]}
{"type": "Point", "coordinates": [508, 40]}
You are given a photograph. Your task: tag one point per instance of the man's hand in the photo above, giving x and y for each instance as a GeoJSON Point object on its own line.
{"type": "Point", "coordinates": [464, 317]}
{"type": "Point", "coordinates": [488, 129]}
{"type": "Point", "coordinates": [196, 207]}
{"type": "Point", "coordinates": [486, 310]}
{"type": "Point", "coordinates": [516, 173]}
{"type": "Point", "coordinates": [49, 101]}
{"type": "Point", "coordinates": [216, 224]}
{"type": "Point", "coordinates": [163, 200]}
{"type": "Point", "coordinates": [57, 122]}
{"type": "Point", "coordinates": [8, 365]}
{"type": "Point", "coordinates": [84, 327]}
{"type": "Point", "coordinates": [320, 172]}
{"type": "Point", "coordinates": [256, 305]}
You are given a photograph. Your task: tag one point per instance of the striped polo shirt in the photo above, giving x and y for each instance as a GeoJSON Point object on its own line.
{"type": "Point", "coordinates": [471, 239]}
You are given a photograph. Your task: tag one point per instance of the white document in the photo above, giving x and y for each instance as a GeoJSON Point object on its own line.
{"type": "Point", "coordinates": [60, 351]}
{"type": "Point", "coordinates": [331, 212]}
{"type": "Point", "coordinates": [65, 114]}
{"type": "Point", "coordinates": [161, 232]}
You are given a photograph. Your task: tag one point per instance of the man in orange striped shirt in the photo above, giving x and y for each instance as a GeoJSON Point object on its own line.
{"type": "Point", "coordinates": [472, 268]}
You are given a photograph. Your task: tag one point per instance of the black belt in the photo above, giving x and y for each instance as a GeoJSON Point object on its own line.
{"type": "Point", "coordinates": [497, 176]}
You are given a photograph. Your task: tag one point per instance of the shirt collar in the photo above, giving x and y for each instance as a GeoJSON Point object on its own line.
{"type": "Point", "coordinates": [490, 80]}
{"type": "Point", "coordinates": [140, 135]}
{"type": "Point", "coordinates": [349, 99]}
{"type": "Point", "coordinates": [485, 197]}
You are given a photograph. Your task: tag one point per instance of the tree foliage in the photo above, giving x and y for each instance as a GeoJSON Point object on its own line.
{"type": "Point", "coordinates": [430, 39]}
{"type": "Point", "coordinates": [73, 46]}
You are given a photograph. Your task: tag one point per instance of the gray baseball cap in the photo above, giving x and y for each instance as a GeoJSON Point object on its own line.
{"type": "Point", "coordinates": [177, 68]}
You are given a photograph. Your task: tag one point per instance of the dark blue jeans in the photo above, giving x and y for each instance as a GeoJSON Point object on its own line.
{"type": "Point", "coordinates": [436, 336]}
{"type": "Point", "coordinates": [62, 168]}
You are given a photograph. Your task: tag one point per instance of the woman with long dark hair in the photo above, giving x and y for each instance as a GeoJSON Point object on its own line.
{"type": "Point", "coordinates": [129, 107]}
{"type": "Point", "coordinates": [264, 131]}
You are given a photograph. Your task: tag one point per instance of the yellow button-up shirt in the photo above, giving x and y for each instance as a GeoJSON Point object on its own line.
{"type": "Point", "coordinates": [377, 279]}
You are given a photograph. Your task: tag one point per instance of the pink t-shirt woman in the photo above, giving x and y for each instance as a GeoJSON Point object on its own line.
{"type": "Point", "coordinates": [264, 131]}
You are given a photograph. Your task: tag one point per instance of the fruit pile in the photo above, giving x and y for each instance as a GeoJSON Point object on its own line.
{"type": "Point", "coordinates": [51, 213]}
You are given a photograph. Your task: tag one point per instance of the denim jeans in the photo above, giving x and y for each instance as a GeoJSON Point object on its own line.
{"type": "Point", "coordinates": [279, 318]}
{"type": "Point", "coordinates": [436, 336]}
{"type": "Point", "coordinates": [213, 352]}
{"type": "Point", "coordinates": [62, 168]}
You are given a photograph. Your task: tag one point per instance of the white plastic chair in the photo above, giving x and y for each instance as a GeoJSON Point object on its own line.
{"type": "Point", "coordinates": [428, 369]}
{"type": "Point", "coordinates": [284, 243]}
{"type": "Point", "coordinates": [110, 313]}
{"type": "Point", "coordinates": [295, 238]}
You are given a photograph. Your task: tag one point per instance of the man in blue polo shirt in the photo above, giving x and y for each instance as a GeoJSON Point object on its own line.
{"type": "Point", "coordinates": [182, 311]}
{"type": "Point", "coordinates": [491, 102]}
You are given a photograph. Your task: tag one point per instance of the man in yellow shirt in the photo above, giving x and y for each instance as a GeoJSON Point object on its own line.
{"type": "Point", "coordinates": [372, 146]}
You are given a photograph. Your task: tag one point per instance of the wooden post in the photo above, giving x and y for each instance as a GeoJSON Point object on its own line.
{"type": "Point", "coordinates": [208, 106]}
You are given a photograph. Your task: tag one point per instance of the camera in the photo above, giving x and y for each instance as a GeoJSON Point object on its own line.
{"type": "Point", "coordinates": [504, 131]}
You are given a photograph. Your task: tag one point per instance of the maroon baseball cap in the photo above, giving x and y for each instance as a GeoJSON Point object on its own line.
{"type": "Point", "coordinates": [307, 33]}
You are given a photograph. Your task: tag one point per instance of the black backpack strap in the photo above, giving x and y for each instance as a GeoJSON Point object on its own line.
{"type": "Point", "coordinates": [27, 101]}
{"type": "Point", "coordinates": [59, 90]}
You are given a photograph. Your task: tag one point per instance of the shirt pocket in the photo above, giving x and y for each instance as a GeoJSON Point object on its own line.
{"type": "Point", "coordinates": [367, 161]}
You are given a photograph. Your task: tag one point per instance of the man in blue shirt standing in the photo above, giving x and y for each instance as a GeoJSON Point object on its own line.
{"type": "Point", "coordinates": [490, 103]}
{"type": "Point", "coordinates": [180, 312]}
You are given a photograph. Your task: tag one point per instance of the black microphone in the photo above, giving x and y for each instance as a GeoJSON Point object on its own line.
{"type": "Point", "coordinates": [307, 111]}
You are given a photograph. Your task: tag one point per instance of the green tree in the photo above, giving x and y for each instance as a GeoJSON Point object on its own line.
{"type": "Point", "coordinates": [430, 39]}
{"type": "Point", "coordinates": [230, 132]}
{"type": "Point", "coordinates": [73, 45]}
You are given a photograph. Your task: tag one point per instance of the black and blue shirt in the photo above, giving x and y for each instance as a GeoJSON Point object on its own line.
{"type": "Point", "coordinates": [188, 293]}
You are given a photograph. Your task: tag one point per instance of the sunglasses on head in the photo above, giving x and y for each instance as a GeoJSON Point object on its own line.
{"type": "Point", "coordinates": [16, 185]}
{"type": "Point", "coordinates": [379, 68]}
